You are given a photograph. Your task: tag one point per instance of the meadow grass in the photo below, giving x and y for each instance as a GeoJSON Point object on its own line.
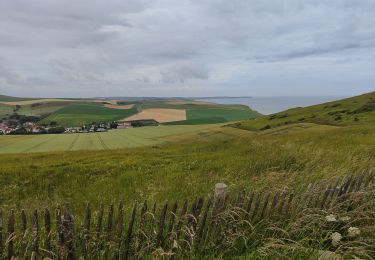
{"type": "Point", "coordinates": [242, 159]}
{"type": "Point", "coordinates": [113, 139]}
{"type": "Point", "coordinates": [227, 114]}
{"type": "Point", "coordinates": [5, 110]}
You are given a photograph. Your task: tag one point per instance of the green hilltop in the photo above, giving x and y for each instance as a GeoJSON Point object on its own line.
{"type": "Point", "coordinates": [350, 111]}
{"type": "Point", "coordinates": [4, 98]}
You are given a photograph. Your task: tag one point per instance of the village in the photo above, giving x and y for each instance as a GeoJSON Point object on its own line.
{"type": "Point", "coordinates": [19, 127]}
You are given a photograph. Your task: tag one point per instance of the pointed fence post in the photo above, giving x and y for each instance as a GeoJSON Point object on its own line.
{"type": "Point", "coordinates": [47, 229]}
{"type": "Point", "coordinates": [220, 198]}
{"type": "Point", "coordinates": [129, 233]}
{"type": "Point", "coordinates": [35, 246]}
{"type": "Point", "coordinates": [1, 231]}
{"type": "Point", "coordinates": [10, 234]}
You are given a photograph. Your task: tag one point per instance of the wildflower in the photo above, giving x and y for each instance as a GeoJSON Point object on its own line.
{"type": "Point", "coordinates": [353, 232]}
{"type": "Point", "coordinates": [336, 238]}
{"type": "Point", "coordinates": [345, 219]}
{"type": "Point", "coordinates": [175, 245]}
{"type": "Point", "coordinates": [331, 218]}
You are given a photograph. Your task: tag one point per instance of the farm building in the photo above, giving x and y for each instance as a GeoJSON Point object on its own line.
{"type": "Point", "coordinates": [124, 125]}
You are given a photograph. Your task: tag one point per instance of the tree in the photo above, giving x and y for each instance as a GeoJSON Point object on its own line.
{"type": "Point", "coordinates": [56, 130]}
{"type": "Point", "coordinates": [113, 125]}
{"type": "Point", "coordinates": [53, 123]}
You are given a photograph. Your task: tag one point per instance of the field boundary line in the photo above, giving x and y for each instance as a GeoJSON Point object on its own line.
{"type": "Point", "coordinates": [39, 144]}
{"type": "Point", "coordinates": [73, 142]}
{"type": "Point", "coordinates": [105, 147]}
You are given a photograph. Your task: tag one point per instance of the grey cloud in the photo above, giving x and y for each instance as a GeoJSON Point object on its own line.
{"type": "Point", "coordinates": [187, 47]}
{"type": "Point", "coordinates": [183, 72]}
{"type": "Point", "coordinates": [7, 76]}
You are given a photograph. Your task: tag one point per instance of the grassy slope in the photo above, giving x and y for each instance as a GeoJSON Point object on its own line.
{"type": "Point", "coordinates": [115, 139]}
{"type": "Point", "coordinates": [351, 111]}
{"type": "Point", "coordinates": [4, 98]}
{"type": "Point", "coordinates": [44, 108]}
{"type": "Point", "coordinates": [78, 114]}
{"type": "Point", "coordinates": [244, 160]}
{"type": "Point", "coordinates": [5, 110]}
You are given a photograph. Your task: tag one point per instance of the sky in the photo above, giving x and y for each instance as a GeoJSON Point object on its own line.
{"type": "Point", "coordinates": [91, 48]}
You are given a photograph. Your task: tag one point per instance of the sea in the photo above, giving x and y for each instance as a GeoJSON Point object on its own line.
{"type": "Point", "coordinates": [270, 105]}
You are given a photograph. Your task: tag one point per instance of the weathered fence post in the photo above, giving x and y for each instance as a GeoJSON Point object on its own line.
{"type": "Point", "coordinates": [35, 246]}
{"type": "Point", "coordinates": [201, 228]}
{"type": "Point", "coordinates": [181, 219]}
{"type": "Point", "coordinates": [220, 198]}
{"type": "Point", "coordinates": [10, 233]}
{"type": "Point", "coordinates": [60, 234]}
{"type": "Point", "coordinates": [86, 230]}
{"type": "Point", "coordinates": [23, 243]}
{"type": "Point", "coordinates": [99, 223]}
{"type": "Point", "coordinates": [120, 225]}
{"type": "Point", "coordinates": [142, 231]}
{"type": "Point", "coordinates": [68, 228]}
{"type": "Point", "coordinates": [1, 231]}
{"type": "Point", "coordinates": [130, 233]}
{"type": "Point", "coordinates": [109, 230]}
{"type": "Point", "coordinates": [159, 236]}
{"type": "Point", "coordinates": [47, 227]}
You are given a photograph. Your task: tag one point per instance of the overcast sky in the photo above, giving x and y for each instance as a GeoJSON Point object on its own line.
{"type": "Point", "coordinates": [86, 48]}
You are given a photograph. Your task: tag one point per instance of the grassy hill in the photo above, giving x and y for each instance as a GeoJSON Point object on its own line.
{"type": "Point", "coordinates": [4, 98]}
{"type": "Point", "coordinates": [350, 111]}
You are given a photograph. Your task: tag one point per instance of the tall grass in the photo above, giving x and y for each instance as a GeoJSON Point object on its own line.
{"type": "Point", "coordinates": [253, 162]}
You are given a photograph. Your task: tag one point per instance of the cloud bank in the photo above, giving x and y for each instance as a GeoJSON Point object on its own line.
{"type": "Point", "coordinates": [186, 48]}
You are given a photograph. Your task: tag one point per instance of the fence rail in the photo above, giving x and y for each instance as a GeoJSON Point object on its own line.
{"type": "Point", "coordinates": [112, 233]}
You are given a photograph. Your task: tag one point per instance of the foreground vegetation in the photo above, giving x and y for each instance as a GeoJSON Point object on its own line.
{"type": "Point", "coordinates": [323, 222]}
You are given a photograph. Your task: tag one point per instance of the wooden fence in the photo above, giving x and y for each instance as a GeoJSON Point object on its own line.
{"type": "Point", "coordinates": [110, 233]}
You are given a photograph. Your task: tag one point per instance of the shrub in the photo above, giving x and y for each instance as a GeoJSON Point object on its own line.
{"type": "Point", "coordinates": [369, 107]}
{"type": "Point", "coordinates": [56, 130]}
{"type": "Point", "coordinates": [265, 127]}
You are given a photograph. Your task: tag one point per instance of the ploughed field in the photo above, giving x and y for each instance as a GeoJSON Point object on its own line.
{"type": "Point", "coordinates": [114, 139]}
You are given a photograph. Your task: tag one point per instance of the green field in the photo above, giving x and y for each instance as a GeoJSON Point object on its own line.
{"type": "Point", "coordinates": [5, 110]}
{"type": "Point", "coordinates": [80, 114]}
{"type": "Point", "coordinates": [114, 139]}
{"type": "Point", "coordinates": [42, 108]}
{"type": "Point", "coordinates": [216, 114]}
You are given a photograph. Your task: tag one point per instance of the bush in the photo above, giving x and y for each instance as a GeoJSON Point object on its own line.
{"type": "Point", "coordinates": [19, 131]}
{"type": "Point", "coordinates": [265, 127]}
{"type": "Point", "coordinates": [56, 130]}
{"type": "Point", "coordinates": [369, 107]}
